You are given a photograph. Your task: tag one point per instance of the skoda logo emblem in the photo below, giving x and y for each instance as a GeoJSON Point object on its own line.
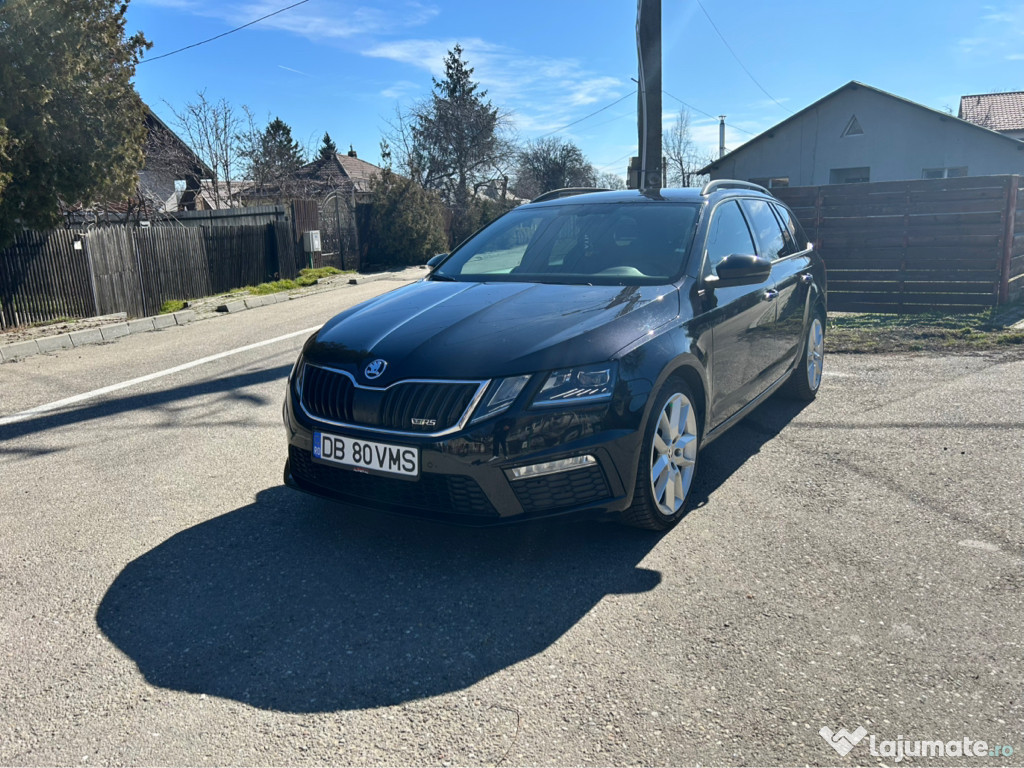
{"type": "Point", "coordinates": [375, 369]}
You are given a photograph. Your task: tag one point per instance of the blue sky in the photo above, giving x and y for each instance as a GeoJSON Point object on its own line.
{"type": "Point", "coordinates": [345, 67]}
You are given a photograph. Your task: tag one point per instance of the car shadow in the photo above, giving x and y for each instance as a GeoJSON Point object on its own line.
{"type": "Point", "coordinates": [295, 604]}
{"type": "Point", "coordinates": [723, 457]}
{"type": "Point", "coordinates": [301, 605]}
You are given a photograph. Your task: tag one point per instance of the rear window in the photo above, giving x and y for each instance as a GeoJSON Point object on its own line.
{"type": "Point", "coordinates": [604, 243]}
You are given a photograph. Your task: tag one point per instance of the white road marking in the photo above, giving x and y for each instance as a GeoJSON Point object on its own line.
{"type": "Point", "coordinates": [40, 409]}
{"type": "Point", "coordinates": [982, 545]}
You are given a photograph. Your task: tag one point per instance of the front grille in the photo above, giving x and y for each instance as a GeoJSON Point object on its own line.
{"type": "Point", "coordinates": [417, 407]}
{"type": "Point", "coordinates": [328, 394]}
{"type": "Point", "coordinates": [447, 494]}
{"type": "Point", "coordinates": [435, 405]}
{"type": "Point", "coordinates": [562, 490]}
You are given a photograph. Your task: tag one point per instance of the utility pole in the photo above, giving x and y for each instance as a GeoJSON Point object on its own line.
{"type": "Point", "coordinates": [648, 42]}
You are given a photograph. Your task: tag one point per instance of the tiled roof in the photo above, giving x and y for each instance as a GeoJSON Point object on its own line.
{"type": "Point", "coordinates": [358, 170]}
{"type": "Point", "coordinates": [996, 111]}
{"type": "Point", "coordinates": [345, 170]}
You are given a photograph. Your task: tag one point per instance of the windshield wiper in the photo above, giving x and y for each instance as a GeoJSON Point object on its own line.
{"type": "Point", "coordinates": [442, 278]}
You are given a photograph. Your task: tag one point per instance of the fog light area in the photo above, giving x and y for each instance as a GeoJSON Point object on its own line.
{"type": "Point", "coordinates": [550, 467]}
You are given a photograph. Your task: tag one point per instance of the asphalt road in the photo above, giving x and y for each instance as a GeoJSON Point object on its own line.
{"type": "Point", "coordinates": [165, 601]}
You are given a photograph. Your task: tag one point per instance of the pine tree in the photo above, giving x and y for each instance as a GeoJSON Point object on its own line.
{"type": "Point", "coordinates": [72, 126]}
{"type": "Point", "coordinates": [328, 148]}
{"type": "Point", "coordinates": [273, 156]}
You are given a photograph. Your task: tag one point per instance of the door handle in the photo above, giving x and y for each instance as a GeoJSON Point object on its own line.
{"type": "Point", "coordinates": [807, 278]}
{"type": "Point", "coordinates": [771, 294]}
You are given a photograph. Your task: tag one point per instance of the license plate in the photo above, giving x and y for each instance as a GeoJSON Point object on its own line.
{"type": "Point", "coordinates": [364, 454]}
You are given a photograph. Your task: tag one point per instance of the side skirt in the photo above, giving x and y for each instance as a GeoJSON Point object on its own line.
{"type": "Point", "coordinates": [743, 412]}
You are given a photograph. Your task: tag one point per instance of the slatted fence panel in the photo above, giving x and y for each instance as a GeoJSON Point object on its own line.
{"type": "Point", "coordinates": [910, 246]}
{"type": "Point", "coordinates": [115, 271]}
{"type": "Point", "coordinates": [238, 256]}
{"type": "Point", "coordinates": [1014, 266]}
{"type": "Point", "coordinates": [43, 277]}
{"type": "Point", "coordinates": [287, 263]}
{"type": "Point", "coordinates": [174, 265]}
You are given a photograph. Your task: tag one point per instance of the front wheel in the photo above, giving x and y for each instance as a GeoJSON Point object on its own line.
{"type": "Point", "coordinates": [805, 380]}
{"type": "Point", "coordinates": [668, 461]}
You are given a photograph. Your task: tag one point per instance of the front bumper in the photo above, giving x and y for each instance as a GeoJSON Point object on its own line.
{"type": "Point", "coordinates": [466, 478]}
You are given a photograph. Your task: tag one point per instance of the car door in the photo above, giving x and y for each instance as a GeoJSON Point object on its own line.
{"type": "Point", "coordinates": [793, 280]}
{"type": "Point", "coordinates": [741, 318]}
{"type": "Point", "coordinates": [787, 293]}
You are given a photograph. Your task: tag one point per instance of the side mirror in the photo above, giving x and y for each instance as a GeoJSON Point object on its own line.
{"type": "Point", "coordinates": [739, 269]}
{"type": "Point", "coordinates": [433, 261]}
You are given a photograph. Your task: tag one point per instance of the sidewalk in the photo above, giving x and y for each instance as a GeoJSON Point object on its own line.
{"type": "Point", "coordinates": [19, 343]}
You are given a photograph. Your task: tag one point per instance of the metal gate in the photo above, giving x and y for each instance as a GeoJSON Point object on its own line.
{"type": "Point", "coordinates": [339, 235]}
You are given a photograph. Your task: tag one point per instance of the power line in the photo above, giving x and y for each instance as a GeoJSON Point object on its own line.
{"type": "Point", "coordinates": [224, 34]}
{"type": "Point", "coordinates": [586, 117]}
{"type": "Point", "coordinates": [749, 74]}
{"type": "Point", "coordinates": [614, 162]}
{"type": "Point", "coordinates": [701, 111]}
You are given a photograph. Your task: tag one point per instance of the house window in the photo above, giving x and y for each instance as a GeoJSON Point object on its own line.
{"type": "Point", "coordinates": [853, 128]}
{"type": "Point", "coordinates": [944, 173]}
{"type": "Point", "coordinates": [849, 175]}
{"type": "Point", "coordinates": [773, 181]}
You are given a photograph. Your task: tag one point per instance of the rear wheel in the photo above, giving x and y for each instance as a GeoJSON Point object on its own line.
{"type": "Point", "coordinates": [668, 461]}
{"type": "Point", "coordinates": [805, 380]}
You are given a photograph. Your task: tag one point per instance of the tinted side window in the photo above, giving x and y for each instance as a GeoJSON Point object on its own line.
{"type": "Point", "coordinates": [791, 227]}
{"type": "Point", "coordinates": [766, 228]}
{"type": "Point", "coordinates": [727, 234]}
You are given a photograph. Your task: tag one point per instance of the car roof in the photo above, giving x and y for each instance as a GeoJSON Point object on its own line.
{"type": "Point", "coordinates": [711, 191]}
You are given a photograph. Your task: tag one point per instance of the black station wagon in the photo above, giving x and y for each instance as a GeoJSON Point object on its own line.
{"type": "Point", "coordinates": [573, 357]}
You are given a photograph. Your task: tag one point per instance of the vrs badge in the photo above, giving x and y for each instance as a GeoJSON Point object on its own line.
{"type": "Point", "coordinates": [375, 369]}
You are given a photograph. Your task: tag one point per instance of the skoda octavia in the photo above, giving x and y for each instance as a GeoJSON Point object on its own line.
{"type": "Point", "coordinates": [573, 357]}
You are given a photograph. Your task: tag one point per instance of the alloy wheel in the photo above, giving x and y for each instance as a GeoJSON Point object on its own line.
{"type": "Point", "coordinates": [815, 353]}
{"type": "Point", "coordinates": [674, 454]}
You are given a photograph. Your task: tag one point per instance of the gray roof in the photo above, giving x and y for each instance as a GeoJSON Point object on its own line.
{"type": "Point", "coordinates": [997, 111]}
{"type": "Point", "coordinates": [852, 86]}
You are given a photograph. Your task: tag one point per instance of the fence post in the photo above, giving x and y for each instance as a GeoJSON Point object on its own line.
{"type": "Point", "coordinates": [92, 272]}
{"type": "Point", "coordinates": [1011, 212]}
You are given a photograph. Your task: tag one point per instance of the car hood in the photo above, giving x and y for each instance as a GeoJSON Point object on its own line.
{"type": "Point", "coordinates": [434, 329]}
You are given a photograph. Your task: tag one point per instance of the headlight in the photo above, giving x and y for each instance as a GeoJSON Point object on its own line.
{"type": "Point", "coordinates": [500, 396]}
{"type": "Point", "coordinates": [589, 383]}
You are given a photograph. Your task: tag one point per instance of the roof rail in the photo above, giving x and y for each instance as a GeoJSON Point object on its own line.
{"type": "Point", "coordinates": [555, 194]}
{"type": "Point", "coordinates": [711, 186]}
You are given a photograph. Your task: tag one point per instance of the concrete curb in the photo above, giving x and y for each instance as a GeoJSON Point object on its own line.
{"type": "Point", "coordinates": [122, 327]}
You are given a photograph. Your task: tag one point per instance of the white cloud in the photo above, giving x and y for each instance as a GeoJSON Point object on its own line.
{"type": "Point", "coordinates": [545, 93]}
{"type": "Point", "coordinates": [999, 33]}
{"type": "Point", "coordinates": [316, 22]}
{"type": "Point", "coordinates": [401, 90]}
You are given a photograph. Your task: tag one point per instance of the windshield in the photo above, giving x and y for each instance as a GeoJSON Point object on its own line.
{"type": "Point", "coordinates": [606, 243]}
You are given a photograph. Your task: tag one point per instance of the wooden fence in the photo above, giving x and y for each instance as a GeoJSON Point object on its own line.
{"type": "Point", "coordinates": [69, 273]}
{"type": "Point", "coordinates": [912, 246]}
{"type": "Point", "coordinates": [44, 276]}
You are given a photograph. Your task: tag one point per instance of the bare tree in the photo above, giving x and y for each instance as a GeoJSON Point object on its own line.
{"type": "Point", "coordinates": [552, 163]}
{"type": "Point", "coordinates": [609, 180]}
{"type": "Point", "coordinates": [681, 155]}
{"type": "Point", "coordinates": [212, 130]}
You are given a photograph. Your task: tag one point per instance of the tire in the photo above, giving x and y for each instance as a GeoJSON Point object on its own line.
{"type": "Point", "coordinates": [667, 463]}
{"type": "Point", "coordinates": [805, 380]}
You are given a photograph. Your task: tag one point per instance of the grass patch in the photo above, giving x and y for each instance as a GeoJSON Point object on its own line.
{"type": "Point", "coordinates": [172, 305]}
{"type": "Point", "coordinates": [927, 332]}
{"type": "Point", "coordinates": [306, 278]}
{"type": "Point", "coordinates": [55, 321]}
